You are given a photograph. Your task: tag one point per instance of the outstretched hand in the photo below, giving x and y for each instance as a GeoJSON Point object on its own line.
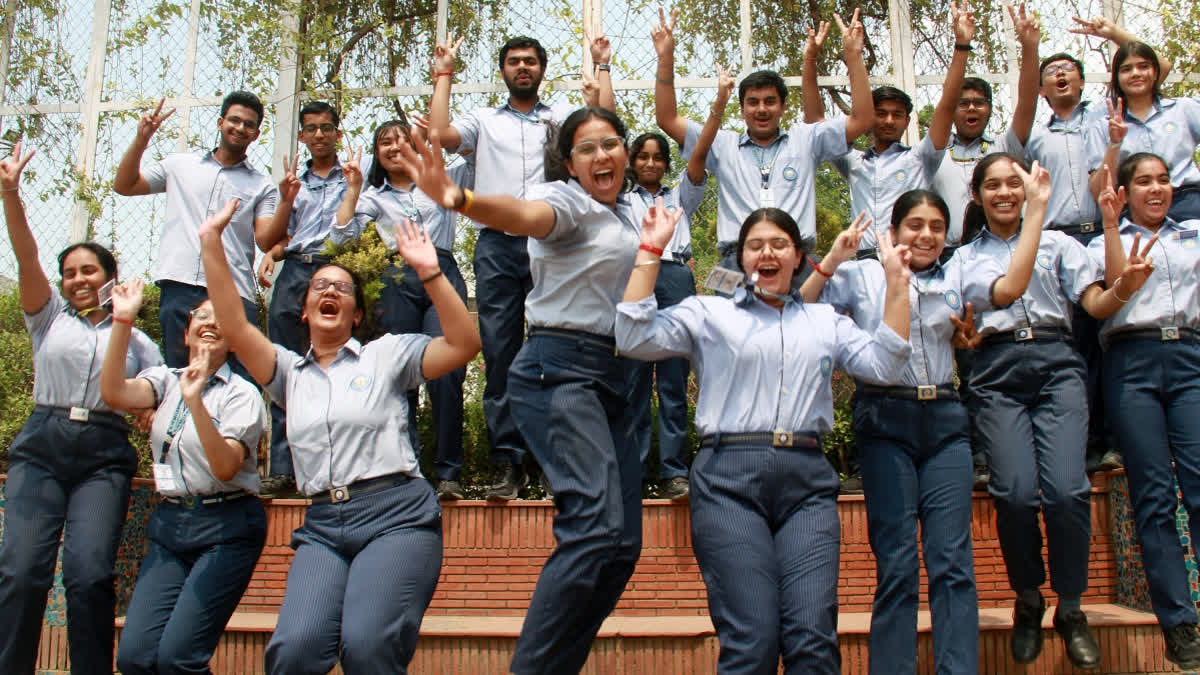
{"type": "Point", "coordinates": [127, 299]}
{"type": "Point", "coordinates": [423, 163]}
{"type": "Point", "coordinates": [414, 245]}
{"type": "Point", "coordinates": [11, 168]}
{"type": "Point", "coordinates": [663, 35]}
{"type": "Point", "coordinates": [658, 225]}
{"type": "Point", "coordinates": [219, 220]}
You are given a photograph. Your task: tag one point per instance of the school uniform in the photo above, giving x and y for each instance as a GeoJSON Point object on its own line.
{"type": "Point", "coordinates": [206, 535]}
{"type": "Point", "coordinates": [1152, 393]}
{"type": "Point", "coordinates": [71, 464]}
{"type": "Point", "coordinates": [953, 178]}
{"type": "Point", "coordinates": [913, 446]}
{"type": "Point", "coordinates": [763, 497]}
{"type": "Point", "coordinates": [568, 401]}
{"type": "Point", "coordinates": [675, 283]}
{"type": "Point", "coordinates": [1027, 386]}
{"type": "Point", "coordinates": [372, 515]}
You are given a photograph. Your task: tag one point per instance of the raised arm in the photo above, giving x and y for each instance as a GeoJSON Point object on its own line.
{"type": "Point", "coordinates": [225, 455]}
{"type": "Point", "coordinates": [119, 392]}
{"type": "Point", "coordinates": [289, 189]}
{"type": "Point", "coordinates": [844, 248]}
{"type": "Point", "coordinates": [862, 106]}
{"type": "Point", "coordinates": [129, 180]}
{"type": "Point", "coordinates": [943, 113]}
{"type": "Point", "coordinates": [253, 348]}
{"type": "Point", "coordinates": [31, 279]}
{"type": "Point", "coordinates": [601, 51]}
{"type": "Point", "coordinates": [658, 225]}
{"type": "Point", "coordinates": [1102, 304]}
{"type": "Point", "coordinates": [1012, 285]}
{"type": "Point", "coordinates": [1029, 33]}
{"type": "Point", "coordinates": [1104, 27]}
{"type": "Point", "coordinates": [666, 111]}
{"type": "Point", "coordinates": [503, 212]}
{"type": "Point", "coordinates": [895, 260]}
{"type": "Point", "coordinates": [439, 105]}
{"type": "Point", "coordinates": [695, 166]}
{"type": "Point", "coordinates": [814, 105]}
{"type": "Point", "coordinates": [352, 172]}
{"type": "Point", "coordinates": [1111, 203]}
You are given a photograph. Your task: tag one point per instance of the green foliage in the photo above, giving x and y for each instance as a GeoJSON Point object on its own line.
{"type": "Point", "coordinates": [368, 258]}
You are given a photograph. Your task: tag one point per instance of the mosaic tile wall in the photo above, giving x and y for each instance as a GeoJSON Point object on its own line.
{"type": "Point", "coordinates": [1132, 589]}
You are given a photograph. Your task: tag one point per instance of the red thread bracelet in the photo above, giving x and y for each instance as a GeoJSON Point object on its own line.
{"type": "Point", "coordinates": [817, 267]}
{"type": "Point", "coordinates": [444, 72]}
{"type": "Point", "coordinates": [127, 322]}
{"type": "Point", "coordinates": [653, 249]}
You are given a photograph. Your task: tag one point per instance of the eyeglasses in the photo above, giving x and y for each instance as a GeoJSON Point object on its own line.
{"type": "Point", "coordinates": [968, 103]}
{"type": "Point", "coordinates": [587, 149]}
{"type": "Point", "coordinates": [325, 128]}
{"type": "Point", "coordinates": [319, 284]}
{"type": "Point", "coordinates": [778, 244]}
{"type": "Point", "coordinates": [1056, 68]}
{"type": "Point", "coordinates": [201, 314]}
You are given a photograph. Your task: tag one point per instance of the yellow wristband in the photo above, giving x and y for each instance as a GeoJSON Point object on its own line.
{"type": "Point", "coordinates": [468, 201]}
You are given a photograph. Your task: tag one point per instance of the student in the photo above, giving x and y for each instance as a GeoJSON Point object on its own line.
{"type": "Point", "coordinates": [206, 535]}
{"type": "Point", "coordinates": [71, 464]}
{"type": "Point", "coordinates": [198, 184]}
{"type": "Point", "coordinates": [506, 143]}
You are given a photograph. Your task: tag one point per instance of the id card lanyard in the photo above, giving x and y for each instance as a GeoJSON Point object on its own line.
{"type": "Point", "coordinates": [765, 198]}
{"type": "Point", "coordinates": [164, 475]}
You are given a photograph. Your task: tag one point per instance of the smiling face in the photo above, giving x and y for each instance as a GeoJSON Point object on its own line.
{"type": "Point", "coordinates": [601, 172]}
{"type": "Point", "coordinates": [923, 230]}
{"type": "Point", "coordinates": [771, 253]}
{"type": "Point", "coordinates": [331, 311]}
{"type": "Point", "coordinates": [650, 163]}
{"type": "Point", "coordinates": [1149, 192]}
{"type": "Point", "coordinates": [1001, 194]}
{"type": "Point", "coordinates": [320, 135]}
{"type": "Point", "coordinates": [239, 127]}
{"type": "Point", "coordinates": [387, 151]}
{"type": "Point", "coordinates": [971, 114]}
{"type": "Point", "coordinates": [1062, 83]}
{"type": "Point", "coordinates": [762, 108]}
{"type": "Point", "coordinates": [522, 72]}
{"type": "Point", "coordinates": [1136, 76]}
{"type": "Point", "coordinates": [82, 277]}
{"type": "Point", "coordinates": [203, 329]}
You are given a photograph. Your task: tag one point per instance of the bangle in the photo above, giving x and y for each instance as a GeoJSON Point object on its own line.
{"type": "Point", "coordinates": [431, 277]}
{"type": "Point", "coordinates": [647, 263]}
{"type": "Point", "coordinates": [117, 319]}
{"type": "Point", "coordinates": [11, 189]}
{"type": "Point", "coordinates": [963, 47]}
{"type": "Point", "coordinates": [652, 249]}
{"type": "Point", "coordinates": [1114, 144]}
{"type": "Point", "coordinates": [444, 72]}
{"type": "Point", "coordinates": [467, 202]}
{"type": "Point", "coordinates": [1114, 290]}
{"type": "Point", "coordinates": [604, 66]}
{"type": "Point", "coordinates": [817, 268]}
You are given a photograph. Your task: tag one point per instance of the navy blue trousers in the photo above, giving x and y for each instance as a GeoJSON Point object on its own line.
{"type": "Point", "coordinates": [1028, 405]}
{"type": "Point", "coordinates": [198, 564]}
{"type": "Point", "coordinates": [363, 574]}
{"type": "Point", "coordinates": [766, 534]}
{"type": "Point", "coordinates": [174, 303]}
{"type": "Point", "coordinates": [406, 308]}
{"type": "Point", "coordinates": [669, 377]}
{"type": "Point", "coordinates": [62, 472]}
{"type": "Point", "coordinates": [568, 402]}
{"type": "Point", "coordinates": [1152, 395]}
{"type": "Point", "coordinates": [916, 467]}
{"type": "Point", "coordinates": [502, 281]}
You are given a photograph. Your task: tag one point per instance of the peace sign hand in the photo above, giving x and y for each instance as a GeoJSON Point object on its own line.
{"type": "Point", "coordinates": [1036, 182]}
{"type": "Point", "coordinates": [195, 375]}
{"type": "Point", "coordinates": [11, 168]}
{"type": "Point", "coordinates": [1138, 267]}
{"type": "Point", "coordinates": [1111, 201]}
{"type": "Point", "coordinates": [1029, 29]}
{"type": "Point", "coordinates": [150, 122]}
{"type": "Point", "coordinates": [591, 88]}
{"type": "Point", "coordinates": [352, 169]}
{"type": "Point", "coordinates": [289, 186]}
{"type": "Point", "coordinates": [815, 40]}
{"type": "Point", "coordinates": [444, 55]}
{"type": "Point", "coordinates": [725, 84]}
{"type": "Point", "coordinates": [663, 35]}
{"type": "Point", "coordinates": [1117, 128]}
{"type": "Point", "coordinates": [1101, 26]}
{"type": "Point", "coordinates": [963, 22]}
{"type": "Point", "coordinates": [853, 35]}
{"type": "Point", "coordinates": [598, 44]}
{"type": "Point", "coordinates": [845, 247]}
{"type": "Point", "coordinates": [895, 259]}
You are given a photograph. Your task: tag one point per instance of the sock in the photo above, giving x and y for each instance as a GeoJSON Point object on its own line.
{"type": "Point", "coordinates": [1067, 604]}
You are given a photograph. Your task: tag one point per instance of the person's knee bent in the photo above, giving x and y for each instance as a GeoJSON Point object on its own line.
{"type": "Point", "coordinates": [136, 655]}
{"type": "Point", "coordinates": [376, 649]}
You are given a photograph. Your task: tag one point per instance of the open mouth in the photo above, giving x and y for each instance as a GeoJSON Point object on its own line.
{"type": "Point", "coordinates": [605, 179]}
{"type": "Point", "coordinates": [767, 272]}
{"type": "Point", "coordinates": [209, 335]}
{"type": "Point", "coordinates": [328, 308]}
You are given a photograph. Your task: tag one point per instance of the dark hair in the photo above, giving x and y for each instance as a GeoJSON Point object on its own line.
{"type": "Point", "coordinates": [889, 93]}
{"type": "Point", "coordinates": [979, 85]}
{"type": "Point", "coordinates": [914, 198]}
{"type": "Point", "coordinates": [1130, 164]}
{"type": "Point", "coordinates": [319, 108]}
{"type": "Point", "coordinates": [636, 147]}
{"type": "Point", "coordinates": [759, 79]}
{"type": "Point", "coordinates": [974, 217]}
{"type": "Point", "coordinates": [378, 174]}
{"type": "Point", "coordinates": [107, 261]}
{"type": "Point", "coordinates": [1122, 54]}
{"type": "Point", "coordinates": [1061, 56]}
{"type": "Point", "coordinates": [778, 218]}
{"type": "Point", "coordinates": [243, 98]}
{"type": "Point", "coordinates": [560, 140]}
{"type": "Point", "coordinates": [523, 42]}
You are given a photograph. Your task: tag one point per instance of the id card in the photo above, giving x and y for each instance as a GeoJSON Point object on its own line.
{"type": "Point", "coordinates": [766, 198]}
{"type": "Point", "coordinates": [164, 478]}
{"type": "Point", "coordinates": [105, 293]}
{"type": "Point", "coordinates": [722, 280]}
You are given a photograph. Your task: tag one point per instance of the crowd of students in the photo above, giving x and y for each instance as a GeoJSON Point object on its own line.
{"type": "Point", "coordinates": [1052, 271]}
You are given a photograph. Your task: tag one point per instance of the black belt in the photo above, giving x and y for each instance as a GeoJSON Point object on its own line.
{"type": "Point", "coordinates": [1161, 334]}
{"type": "Point", "coordinates": [778, 439]}
{"type": "Point", "coordinates": [192, 501]}
{"type": "Point", "coordinates": [593, 339]}
{"type": "Point", "coordinates": [867, 254]}
{"type": "Point", "coordinates": [339, 494]}
{"type": "Point", "coordinates": [85, 416]}
{"type": "Point", "coordinates": [725, 248]}
{"type": "Point", "coordinates": [1076, 228]}
{"type": "Point", "coordinates": [308, 257]}
{"type": "Point", "coordinates": [925, 392]}
{"type": "Point", "coordinates": [1024, 335]}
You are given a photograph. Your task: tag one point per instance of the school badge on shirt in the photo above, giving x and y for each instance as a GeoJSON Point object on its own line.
{"type": "Point", "coordinates": [953, 299]}
{"type": "Point", "coordinates": [360, 383]}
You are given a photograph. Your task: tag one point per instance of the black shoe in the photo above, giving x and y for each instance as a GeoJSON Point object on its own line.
{"type": "Point", "coordinates": [449, 490]}
{"type": "Point", "coordinates": [1082, 649]}
{"type": "Point", "coordinates": [982, 477]}
{"type": "Point", "coordinates": [509, 481]}
{"type": "Point", "coordinates": [675, 488]}
{"type": "Point", "coordinates": [279, 487]}
{"type": "Point", "coordinates": [1026, 642]}
{"type": "Point", "coordinates": [852, 485]}
{"type": "Point", "coordinates": [1183, 646]}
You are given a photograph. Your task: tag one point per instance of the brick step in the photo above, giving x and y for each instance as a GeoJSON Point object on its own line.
{"type": "Point", "coordinates": [493, 552]}
{"type": "Point", "coordinates": [666, 645]}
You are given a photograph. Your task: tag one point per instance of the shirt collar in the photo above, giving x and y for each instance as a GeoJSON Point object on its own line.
{"type": "Point", "coordinates": [895, 148]}
{"type": "Point", "coordinates": [663, 190]}
{"type": "Point", "coordinates": [244, 162]}
{"type": "Point", "coordinates": [743, 297]}
{"type": "Point", "coordinates": [537, 108]}
{"type": "Point", "coordinates": [983, 138]}
{"type": "Point", "coordinates": [1128, 226]}
{"type": "Point", "coordinates": [744, 140]}
{"type": "Point", "coordinates": [1079, 111]}
{"type": "Point", "coordinates": [337, 169]}
{"type": "Point", "coordinates": [352, 345]}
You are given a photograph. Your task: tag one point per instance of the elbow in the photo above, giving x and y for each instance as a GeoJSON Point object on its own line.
{"type": "Point", "coordinates": [226, 472]}
{"type": "Point", "coordinates": [123, 188]}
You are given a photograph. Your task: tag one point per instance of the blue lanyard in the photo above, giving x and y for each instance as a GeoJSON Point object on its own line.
{"type": "Point", "coordinates": [411, 211]}
{"type": "Point", "coordinates": [760, 157]}
{"type": "Point", "coordinates": [528, 118]}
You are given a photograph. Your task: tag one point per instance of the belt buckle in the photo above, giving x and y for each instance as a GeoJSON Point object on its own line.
{"type": "Point", "coordinates": [1169, 333]}
{"type": "Point", "coordinates": [189, 501]}
{"type": "Point", "coordinates": [927, 392]}
{"type": "Point", "coordinates": [338, 495]}
{"type": "Point", "coordinates": [782, 439]}
{"type": "Point", "coordinates": [1023, 334]}
{"type": "Point", "coordinates": [1086, 228]}
{"type": "Point", "coordinates": [79, 414]}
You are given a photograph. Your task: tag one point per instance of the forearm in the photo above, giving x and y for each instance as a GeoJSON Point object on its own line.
{"type": "Point", "coordinates": [345, 211]}
{"type": "Point", "coordinates": [31, 278]}
{"type": "Point", "coordinates": [896, 308]}
{"type": "Point", "coordinates": [1012, 285]}
{"type": "Point", "coordinates": [1114, 254]}
{"type": "Point", "coordinates": [943, 112]}
{"type": "Point", "coordinates": [1028, 86]}
{"type": "Point", "coordinates": [112, 371]}
{"type": "Point", "coordinates": [814, 105]}
{"type": "Point", "coordinates": [508, 214]}
{"type": "Point", "coordinates": [862, 106]}
{"type": "Point", "coordinates": [608, 99]}
{"type": "Point", "coordinates": [130, 168]}
{"type": "Point", "coordinates": [277, 229]}
{"type": "Point", "coordinates": [644, 276]}
{"type": "Point", "coordinates": [666, 110]}
{"type": "Point", "coordinates": [1101, 304]}
{"type": "Point", "coordinates": [696, 171]}
{"type": "Point", "coordinates": [225, 456]}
